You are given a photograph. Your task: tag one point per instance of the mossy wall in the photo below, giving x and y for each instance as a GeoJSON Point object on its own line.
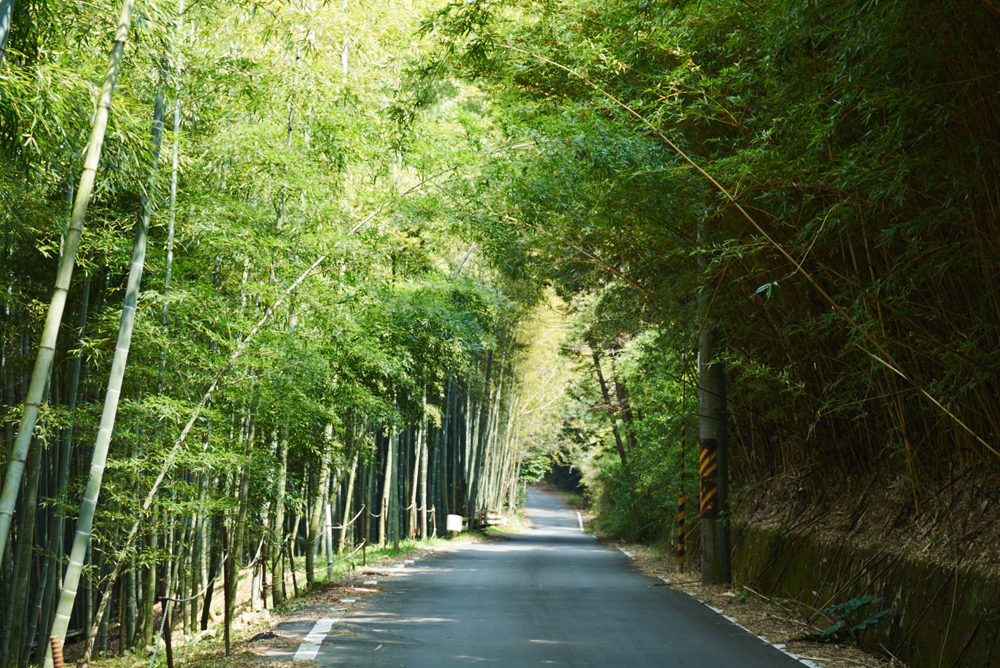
{"type": "Point", "coordinates": [944, 617]}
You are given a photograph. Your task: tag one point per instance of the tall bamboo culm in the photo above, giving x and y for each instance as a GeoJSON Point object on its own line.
{"type": "Point", "coordinates": [6, 16]}
{"type": "Point", "coordinates": [64, 273]}
{"type": "Point", "coordinates": [71, 580]}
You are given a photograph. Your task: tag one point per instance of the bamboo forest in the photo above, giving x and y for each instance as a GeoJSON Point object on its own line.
{"type": "Point", "coordinates": [285, 284]}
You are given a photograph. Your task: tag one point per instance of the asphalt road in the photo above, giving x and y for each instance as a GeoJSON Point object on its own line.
{"type": "Point", "coordinates": [550, 596]}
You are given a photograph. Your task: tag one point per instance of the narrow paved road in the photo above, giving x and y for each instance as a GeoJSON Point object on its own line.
{"type": "Point", "coordinates": [550, 596]}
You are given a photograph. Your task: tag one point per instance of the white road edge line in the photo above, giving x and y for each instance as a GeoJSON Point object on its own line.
{"type": "Point", "coordinates": [778, 646]}
{"type": "Point", "coordinates": [309, 648]}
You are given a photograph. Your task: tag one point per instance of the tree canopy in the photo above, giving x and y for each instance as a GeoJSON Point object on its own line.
{"type": "Point", "coordinates": [407, 257]}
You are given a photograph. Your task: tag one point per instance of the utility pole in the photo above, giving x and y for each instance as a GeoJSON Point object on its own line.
{"type": "Point", "coordinates": [713, 454]}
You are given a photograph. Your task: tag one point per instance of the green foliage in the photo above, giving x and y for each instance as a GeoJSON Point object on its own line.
{"type": "Point", "coordinates": [855, 133]}
{"type": "Point", "coordinates": [283, 157]}
{"type": "Point", "coordinates": [535, 466]}
{"type": "Point", "coordinates": [852, 617]}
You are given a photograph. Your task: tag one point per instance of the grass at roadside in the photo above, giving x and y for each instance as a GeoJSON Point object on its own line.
{"type": "Point", "coordinates": [514, 525]}
{"type": "Point", "coordinates": [347, 563]}
{"type": "Point", "coordinates": [574, 500]}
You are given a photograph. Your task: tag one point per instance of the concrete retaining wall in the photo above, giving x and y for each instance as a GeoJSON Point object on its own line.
{"type": "Point", "coordinates": [943, 618]}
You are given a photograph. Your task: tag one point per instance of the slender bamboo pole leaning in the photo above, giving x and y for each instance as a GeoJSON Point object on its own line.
{"type": "Point", "coordinates": [66, 448]}
{"type": "Point", "coordinates": [71, 579]}
{"type": "Point", "coordinates": [47, 347]}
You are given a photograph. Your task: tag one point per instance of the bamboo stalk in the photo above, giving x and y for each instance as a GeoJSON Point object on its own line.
{"type": "Point", "coordinates": [423, 469]}
{"type": "Point", "coordinates": [6, 15]}
{"type": "Point", "coordinates": [316, 518]}
{"type": "Point", "coordinates": [278, 562]}
{"type": "Point", "coordinates": [46, 349]}
{"type": "Point", "coordinates": [71, 579]}
{"type": "Point", "coordinates": [386, 488]}
{"type": "Point", "coordinates": [348, 499]}
{"type": "Point", "coordinates": [25, 548]}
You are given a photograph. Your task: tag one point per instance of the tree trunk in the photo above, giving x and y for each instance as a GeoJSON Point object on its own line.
{"type": "Point", "coordinates": [206, 606]}
{"type": "Point", "coordinates": [239, 537]}
{"type": "Point", "coordinates": [26, 544]}
{"type": "Point", "coordinates": [44, 584]}
{"type": "Point", "coordinates": [471, 438]}
{"type": "Point", "coordinates": [316, 519]}
{"type": "Point", "coordinates": [394, 493]}
{"type": "Point", "coordinates": [483, 429]}
{"type": "Point", "coordinates": [610, 409]}
{"type": "Point", "coordinates": [348, 499]}
{"type": "Point", "coordinates": [383, 519]}
{"type": "Point", "coordinates": [278, 562]}
{"type": "Point", "coordinates": [423, 473]}
{"type": "Point", "coordinates": [66, 453]}
{"type": "Point", "coordinates": [328, 540]}
{"type": "Point", "coordinates": [415, 480]}
{"type": "Point", "coordinates": [149, 593]}
{"type": "Point", "coordinates": [621, 393]}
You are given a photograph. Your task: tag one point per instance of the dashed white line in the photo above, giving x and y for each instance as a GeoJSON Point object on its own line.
{"type": "Point", "coordinates": [579, 518]}
{"type": "Point", "coordinates": [309, 648]}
